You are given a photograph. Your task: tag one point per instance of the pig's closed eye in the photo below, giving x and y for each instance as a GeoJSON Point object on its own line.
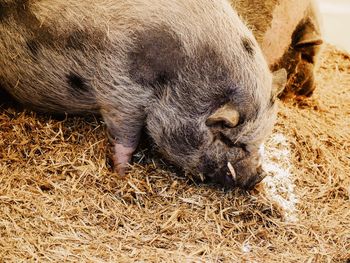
{"type": "Point", "coordinates": [220, 124]}
{"type": "Point", "coordinates": [229, 143]}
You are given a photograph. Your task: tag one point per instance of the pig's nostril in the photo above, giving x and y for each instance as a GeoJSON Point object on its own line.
{"type": "Point", "coordinates": [260, 170]}
{"type": "Point", "coordinates": [259, 178]}
{"type": "Point", "coordinates": [262, 175]}
{"type": "Point", "coordinates": [253, 181]}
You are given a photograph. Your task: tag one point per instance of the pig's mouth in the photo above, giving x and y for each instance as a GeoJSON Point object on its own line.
{"type": "Point", "coordinates": [228, 178]}
{"type": "Point", "coordinates": [224, 176]}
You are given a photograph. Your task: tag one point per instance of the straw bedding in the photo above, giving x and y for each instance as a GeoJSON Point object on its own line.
{"type": "Point", "coordinates": [59, 201]}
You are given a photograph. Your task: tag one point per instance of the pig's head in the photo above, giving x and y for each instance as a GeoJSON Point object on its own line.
{"type": "Point", "coordinates": [213, 104]}
{"type": "Point", "coordinates": [301, 57]}
{"type": "Point", "coordinates": [215, 134]}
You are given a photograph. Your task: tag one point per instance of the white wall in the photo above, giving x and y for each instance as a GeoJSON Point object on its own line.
{"type": "Point", "coordinates": [336, 22]}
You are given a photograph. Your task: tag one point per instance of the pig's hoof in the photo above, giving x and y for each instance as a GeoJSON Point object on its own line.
{"type": "Point", "coordinates": [121, 169]}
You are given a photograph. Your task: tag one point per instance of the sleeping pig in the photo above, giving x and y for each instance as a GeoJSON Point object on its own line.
{"type": "Point", "coordinates": [189, 71]}
{"type": "Point", "coordinates": [289, 34]}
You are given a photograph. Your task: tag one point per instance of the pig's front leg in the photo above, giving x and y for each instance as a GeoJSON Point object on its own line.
{"type": "Point", "coordinates": [124, 128]}
{"type": "Point", "coordinates": [121, 156]}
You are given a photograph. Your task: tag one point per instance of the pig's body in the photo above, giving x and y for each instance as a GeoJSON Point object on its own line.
{"type": "Point", "coordinates": [289, 35]}
{"type": "Point", "coordinates": [188, 70]}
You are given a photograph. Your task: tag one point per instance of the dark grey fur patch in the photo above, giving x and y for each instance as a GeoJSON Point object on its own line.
{"type": "Point", "coordinates": [21, 10]}
{"type": "Point", "coordinates": [77, 83]}
{"type": "Point", "coordinates": [3, 12]}
{"type": "Point", "coordinates": [80, 91]}
{"type": "Point", "coordinates": [186, 139]}
{"type": "Point", "coordinates": [13, 8]}
{"type": "Point", "coordinates": [209, 64]}
{"type": "Point", "coordinates": [33, 46]}
{"type": "Point", "coordinates": [248, 46]}
{"type": "Point", "coordinates": [156, 57]}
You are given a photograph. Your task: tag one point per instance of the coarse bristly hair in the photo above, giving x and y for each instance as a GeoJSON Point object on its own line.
{"type": "Point", "coordinates": [166, 65]}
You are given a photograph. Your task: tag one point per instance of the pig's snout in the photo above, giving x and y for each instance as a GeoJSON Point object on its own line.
{"type": "Point", "coordinates": [249, 182]}
{"type": "Point", "coordinates": [249, 172]}
{"type": "Point", "coordinates": [241, 179]}
{"type": "Point", "coordinates": [244, 173]}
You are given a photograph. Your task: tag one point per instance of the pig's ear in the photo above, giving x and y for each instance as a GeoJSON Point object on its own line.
{"type": "Point", "coordinates": [307, 37]}
{"type": "Point", "coordinates": [279, 81]}
{"type": "Point", "coordinates": [226, 116]}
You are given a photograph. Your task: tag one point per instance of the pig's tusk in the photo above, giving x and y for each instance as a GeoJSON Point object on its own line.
{"type": "Point", "coordinates": [232, 171]}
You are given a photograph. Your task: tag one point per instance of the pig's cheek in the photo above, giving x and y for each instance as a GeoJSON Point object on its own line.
{"type": "Point", "coordinates": [121, 157]}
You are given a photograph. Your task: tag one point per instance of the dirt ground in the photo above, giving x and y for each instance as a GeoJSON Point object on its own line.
{"type": "Point", "coordinates": [59, 202]}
